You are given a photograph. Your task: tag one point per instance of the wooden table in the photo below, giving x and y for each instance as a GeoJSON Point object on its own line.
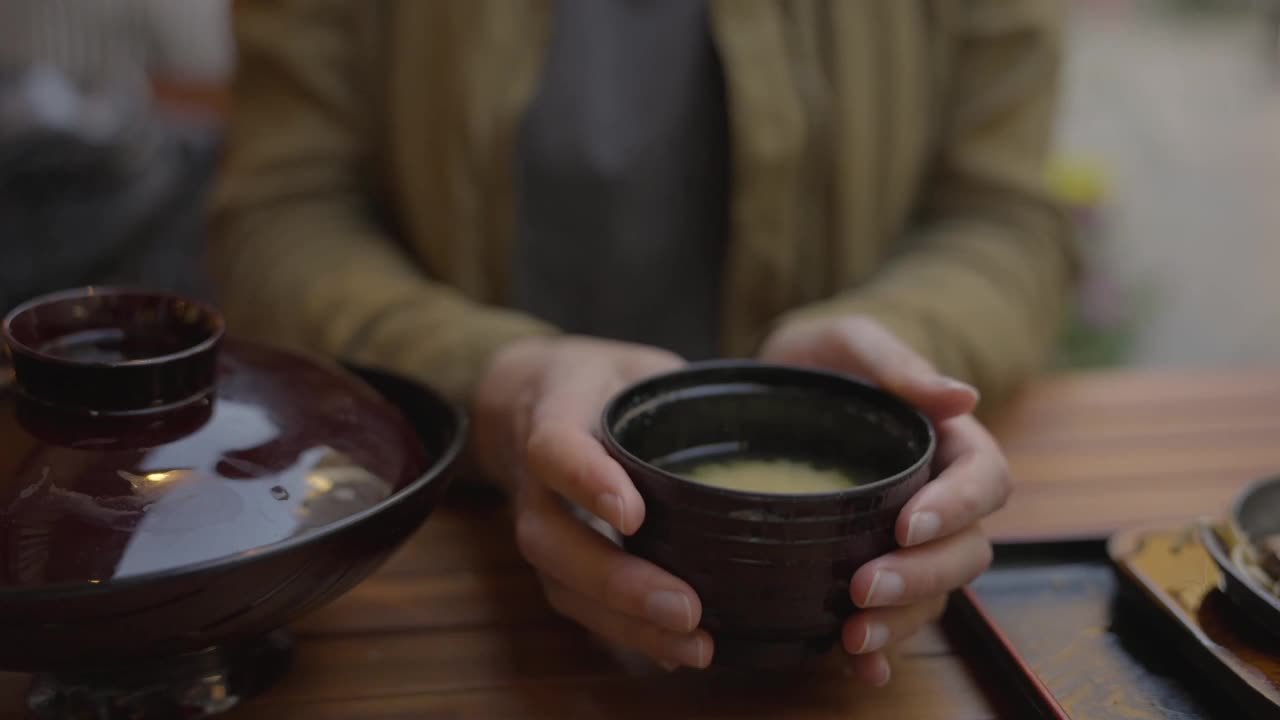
{"type": "Point", "coordinates": [1092, 453]}
{"type": "Point", "coordinates": [454, 626]}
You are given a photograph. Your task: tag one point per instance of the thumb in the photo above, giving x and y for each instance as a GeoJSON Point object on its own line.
{"type": "Point", "coordinates": [937, 396]}
{"type": "Point", "coordinates": [866, 349]}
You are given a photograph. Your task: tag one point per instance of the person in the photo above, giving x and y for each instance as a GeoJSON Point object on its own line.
{"type": "Point", "coordinates": [528, 206]}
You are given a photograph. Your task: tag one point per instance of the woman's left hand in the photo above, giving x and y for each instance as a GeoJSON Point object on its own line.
{"type": "Point", "coordinates": [942, 546]}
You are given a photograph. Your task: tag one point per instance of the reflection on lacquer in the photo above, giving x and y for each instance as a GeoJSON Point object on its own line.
{"type": "Point", "coordinates": [152, 513]}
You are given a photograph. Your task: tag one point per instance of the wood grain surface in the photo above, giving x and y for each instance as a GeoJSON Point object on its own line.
{"type": "Point", "coordinates": [454, 625]}
{"type": "Point", "coordinates": [1093, 453]}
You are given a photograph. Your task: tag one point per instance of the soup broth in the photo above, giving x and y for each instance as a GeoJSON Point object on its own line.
{"type": "Point", "coordinates": [766, 474]}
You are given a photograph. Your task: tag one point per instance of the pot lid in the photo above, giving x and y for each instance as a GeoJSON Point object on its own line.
{"type": "Point", "coordinates": [136, 439]}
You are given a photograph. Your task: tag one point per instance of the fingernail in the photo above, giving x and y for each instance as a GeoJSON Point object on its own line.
{"type": "Point", "coordinates": [947, 383]}
{"type": "Point", "coordinates": [877, 637]}
{"type": "Point", "coordinates": [669, 609]}
{"type": "Point", "coordinates": [668, 666]}
{"type": "Point", "coordinates": [609, 509]}
{"type": "Point", "coordinates": [883, 673]}
{"type": "Point", "coordinates": [695, 653]}
{"type": "Point", "coordinates": [923, 527]}
{"type": "Point", "coordinates": [886, 587]}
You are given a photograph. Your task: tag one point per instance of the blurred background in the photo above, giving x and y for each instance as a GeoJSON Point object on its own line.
{"type": "Point", "coordinates": [110, 124]}
{"type": "Point", "coordinates": [1169, 146]}
{"type": "Point", "coordinates": [1168, 153]}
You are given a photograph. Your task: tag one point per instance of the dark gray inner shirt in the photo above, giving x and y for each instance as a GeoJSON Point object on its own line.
{"type": "Point", "coordinates": [622, 175]}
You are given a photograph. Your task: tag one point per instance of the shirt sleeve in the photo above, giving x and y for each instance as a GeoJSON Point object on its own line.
{"type": "Point", "coordinates": [297, 254]}
{"type": "Point", "coordinates": [981, 282]}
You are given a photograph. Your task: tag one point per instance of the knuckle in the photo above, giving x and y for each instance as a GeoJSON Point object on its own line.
{"type": "Point", "coordinates": [546, 458]}
{"type": "Point", "coordinates": [615, 587]}
{"type": "Point", "coordinates": [1005, 473]}
{"type": "Point", "coordinates": [831, 345]}
{"type": "Point", "coordinates": [986, 557]}
{"type": "Point", "coordinates": [660, 645]}
{"type": "Point", "coordinates": [932, 581]}
{"type": "Point", "coordinates": [969, 501]}
{"type": "Point", "coordinates": [857, 325]}
{"type": "Point", "coordinates": [840, 336]}
{"type": "Point", "coordinates": [861, 330]}
{"type": "Point", "coordinates": [556, 599]}
{"type": "Point", "coordinates": [528, 537]}
{"type": "Point", "coordinates": [937, 607]}
{"type": "Point", "coordinates": [1004, 479]}
{"type": "Point", "coordinates": [660, 357]}
{"type": "Point", "coordinates": [1002, 465]}
{"type": "Point", "coordinates": [539, 443]}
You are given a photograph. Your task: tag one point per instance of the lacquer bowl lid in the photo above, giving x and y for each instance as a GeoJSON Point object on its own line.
{"type": "Point", "coordinates": [137, 440]}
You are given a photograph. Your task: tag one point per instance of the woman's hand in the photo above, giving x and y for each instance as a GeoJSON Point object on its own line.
{"type": "Point", "coordinates": [536, 410]}
{"type": "Point", "coordinates": [942, 545]}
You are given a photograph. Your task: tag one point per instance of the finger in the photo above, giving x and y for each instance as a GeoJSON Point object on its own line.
{"type": "Point", "coordinates": [668, 648]}
{"type": "Point", "coordinates": [914, 574]}
{"type": "Point", "coordinates": [650, 361]}
{"type": "Point", "coordinates": [974, 483]}
{"type": "Point", "coordinates": [872, 669]}
{"type": "Point", "coordinates": [584, 561]}
{"type": "Point", "coordinates": [874, 630]}
{"type": "Point", "coordinates": [570, 461]}
{"type": "Point", "coordinates": [873, 352]}
{"type": "Point", "coordinates": [564, 455]}
{"type": "Point", "coordinates": [863, 347]}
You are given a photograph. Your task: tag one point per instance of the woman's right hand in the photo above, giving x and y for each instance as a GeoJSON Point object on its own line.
{"type": "Point", "coordinates": [536, 412]}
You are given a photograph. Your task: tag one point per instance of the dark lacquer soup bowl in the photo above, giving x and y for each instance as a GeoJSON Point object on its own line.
{"type": "Point", "coordinates": [170, 498]}
{"type": "Point", "coordinates": [772, 568]}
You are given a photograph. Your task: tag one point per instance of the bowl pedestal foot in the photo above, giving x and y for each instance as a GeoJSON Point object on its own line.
{"type": "Point", "coordinates": [194, 685]}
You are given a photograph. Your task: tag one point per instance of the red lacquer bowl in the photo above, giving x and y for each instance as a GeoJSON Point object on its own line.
{"type": "Point", "coordinates": [170, 498]}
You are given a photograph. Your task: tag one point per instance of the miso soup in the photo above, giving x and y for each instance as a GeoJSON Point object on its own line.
{"type": "Point", "coordinates": [763, 473]}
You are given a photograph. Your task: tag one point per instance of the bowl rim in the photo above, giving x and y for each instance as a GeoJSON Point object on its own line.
{"type": "Point", "coordinates": [1226, 563]}
{"type": "Point", "coordinates": [869, 489]}
{"type": "Point", "coordinates": [446, 459]}
{"type": "Point", "coordinates": [1246, 494]}
{"type": "Point", "coordinates": [16, 345]}
{"type": "Point", "coordinates": [1219, 551]}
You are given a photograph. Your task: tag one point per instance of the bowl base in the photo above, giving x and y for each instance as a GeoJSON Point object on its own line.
{"type": "Point", "coordinates": [747, 653]}
{"type": "Point", "coordinates": [194, 685]}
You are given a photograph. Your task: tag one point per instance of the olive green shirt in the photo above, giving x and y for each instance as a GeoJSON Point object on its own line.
{"type": "Point", "coordinates": [886, 160]}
